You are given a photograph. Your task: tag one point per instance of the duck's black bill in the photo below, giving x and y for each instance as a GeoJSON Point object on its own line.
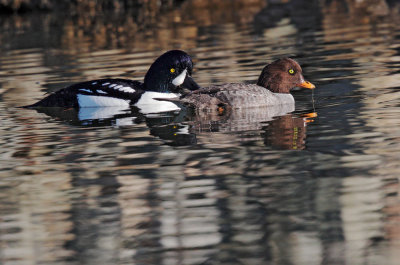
{"type": "Point", "coordinates": [190, 84]}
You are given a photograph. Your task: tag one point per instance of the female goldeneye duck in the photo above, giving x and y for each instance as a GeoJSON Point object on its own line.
{"type": "Point", "coordinates": [273, 88]}
{"type": "Point", "coordinates": [165, 79]}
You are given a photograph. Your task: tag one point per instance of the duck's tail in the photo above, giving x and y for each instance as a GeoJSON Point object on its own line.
{"type": "Point", "coordinates": [55, 100]}
{"type": "Point", "coordinates": [32, 106]}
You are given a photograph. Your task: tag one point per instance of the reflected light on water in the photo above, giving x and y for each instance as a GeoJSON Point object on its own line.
{"type": "Point", "coordinates": [260, 186]}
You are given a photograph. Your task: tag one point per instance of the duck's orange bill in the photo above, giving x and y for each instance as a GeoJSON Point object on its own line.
{"type": "Point", "coordinates": [306, 84]}
{"type": "Point", "coordinates": [310, 115]}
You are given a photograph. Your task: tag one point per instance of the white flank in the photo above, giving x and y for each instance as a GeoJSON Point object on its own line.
{"type": "Point", "coordinates": [86, 101]}
{"type": "Point", "coordinates": [105, 84]}
{"type": "Point", "coordinates": [85, 90]}
{"type": "Point", "coordinates": [180, 78]}
{"type": "Point", "coordinates": [100, 113]}
{"type": "Point", "coordinates": [126, 89]}
{"type": "Point", "coordinates": [112, 85]}
{"type": "Point", "coordinates": [94, 83]}
{"type": "Point", "coordinates": [101, 92]}
{"type": "Point", "coordinates": [183, 130]}
{"type": "Point", "coordinates": [148, 104]}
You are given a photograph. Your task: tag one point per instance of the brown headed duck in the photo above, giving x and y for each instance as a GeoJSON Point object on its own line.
{"type": "Point", "coordinates": [273, 88]}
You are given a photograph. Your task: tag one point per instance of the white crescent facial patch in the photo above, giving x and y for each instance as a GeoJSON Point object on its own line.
{"type": "Point", "coordinates": [180, 78]}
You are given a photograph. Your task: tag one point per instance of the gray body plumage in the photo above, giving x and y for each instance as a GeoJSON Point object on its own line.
{"type": "Point", "coordinates": [236, 96]}
{"type": "Point", "coordinates": [272, 89]}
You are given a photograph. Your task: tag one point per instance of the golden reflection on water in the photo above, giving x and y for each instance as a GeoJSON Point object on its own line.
{"type": "Point", "coordinates": [363, 197]}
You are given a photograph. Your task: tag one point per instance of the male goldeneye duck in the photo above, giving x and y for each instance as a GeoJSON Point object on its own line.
{"type": "Point", "coordinates": [273, 88]}
{"type": "Point", "coordinates": [165, 78]}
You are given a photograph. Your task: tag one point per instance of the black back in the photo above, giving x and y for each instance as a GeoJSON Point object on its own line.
{"type": "Point", "coordinates": [67, 98]}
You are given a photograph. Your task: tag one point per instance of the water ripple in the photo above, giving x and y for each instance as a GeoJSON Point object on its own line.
{"type": "Point", "coordinates": [251, 187]}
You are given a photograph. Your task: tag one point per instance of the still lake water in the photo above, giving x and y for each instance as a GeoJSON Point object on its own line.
{"type": "Point", "coordinates": [246, 188]}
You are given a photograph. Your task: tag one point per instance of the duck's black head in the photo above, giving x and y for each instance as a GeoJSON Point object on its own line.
{"type": "Point", "coordinates": [282, 75]}
{"type": "Point", "coordinates": [170, 72]}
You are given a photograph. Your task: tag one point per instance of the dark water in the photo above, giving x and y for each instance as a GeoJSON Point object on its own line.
{"type": "Point", "coordinates": [243, 188]}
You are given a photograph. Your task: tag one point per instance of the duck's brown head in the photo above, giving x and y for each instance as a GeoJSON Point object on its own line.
{"type": "Point", "coordinates": [282, 75]}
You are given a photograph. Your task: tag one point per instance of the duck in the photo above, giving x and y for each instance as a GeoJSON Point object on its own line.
{"type": "Point", "coordinates": [273, 88]}
{"type": "Point", "coordinates": [167, 77]}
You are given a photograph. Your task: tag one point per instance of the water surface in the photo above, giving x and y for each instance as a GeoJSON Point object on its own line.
{"type": "Point", "coordinates": [253, 187]}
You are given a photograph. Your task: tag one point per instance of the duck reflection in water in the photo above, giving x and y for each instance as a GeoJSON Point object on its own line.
{"type": "Point", "coordinates": [277, 128]}
{"type": "Point", "coordinates": [286, 132]}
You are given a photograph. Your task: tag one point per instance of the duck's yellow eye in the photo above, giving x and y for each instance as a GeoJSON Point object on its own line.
{"type": "Point", "coordinates": [172, 70]}
{"type": "Point", "coordinates": [291, 71]}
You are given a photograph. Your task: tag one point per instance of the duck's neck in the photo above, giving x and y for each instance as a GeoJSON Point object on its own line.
{"type": "Point", "coordinates": [274, 83]}
{"type": "Point", "coordinates": [156, 87]}
{"type": "Point", "coordinates": [274, 86]}
{"type": "Point", "coordinates": [156, 81]}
